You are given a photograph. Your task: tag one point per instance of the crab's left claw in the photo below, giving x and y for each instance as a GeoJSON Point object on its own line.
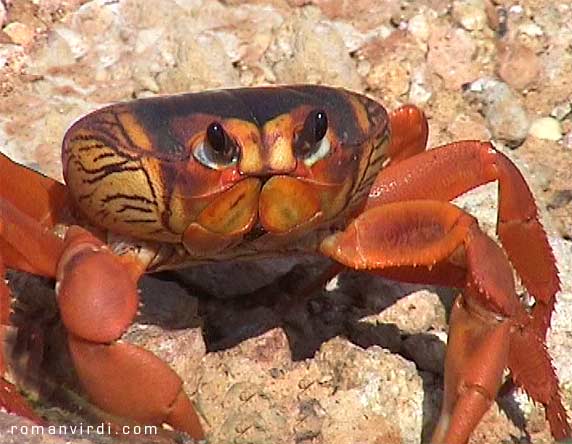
{"type": "Point", "coordinates": [97, 295]}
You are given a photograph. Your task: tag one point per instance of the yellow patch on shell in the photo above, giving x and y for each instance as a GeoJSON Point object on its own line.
{"type": "Point", "coordinates": [248, 135]}
{"type": "Point", "coordinates": [277, 138]}
{"type": "Point", "coordinates": [360, 114]}
{"type": "Point", "coordinates": [135, 131]}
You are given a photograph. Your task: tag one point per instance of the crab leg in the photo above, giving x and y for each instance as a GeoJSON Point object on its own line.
{"type": "Point", "coordinates": [488, 322]}
{"type": "Point", "coordinates": [451, 170]}
{"type": "Point", "coordinates": [41, 198]}
{"type": "Point", "coordinates": [409, 133]}
{"type": "Point", "coordinates": [19, 234]}
{"type": "Point", "coordinates": [10, 399]}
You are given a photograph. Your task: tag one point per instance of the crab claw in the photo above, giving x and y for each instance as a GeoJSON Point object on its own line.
{"type": "Point", "coordinates": [97, 296]}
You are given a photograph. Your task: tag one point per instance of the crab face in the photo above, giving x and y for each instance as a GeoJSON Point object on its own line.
{"type": "Point", "coordinates": [212, 169]}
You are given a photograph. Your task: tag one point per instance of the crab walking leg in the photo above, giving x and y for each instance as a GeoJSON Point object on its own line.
{"type": "Point", "coordinates": [488, 321]}
{"type": "Point", "coordinates": [409, 133]}
{"type": "Point", "coordinates": [10, 399]}
{"type": "Point", "coordinates": [24, 245]}
{"type": "Point", "coordinates": [37, 196]}
{"type": "Point", "coordinates": [451, 170]}
{"type": "Point", "coordinates": [97, 295]}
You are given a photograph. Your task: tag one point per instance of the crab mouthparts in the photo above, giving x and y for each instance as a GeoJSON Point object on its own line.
{"type": "Point", "coordinates": [286, 203]}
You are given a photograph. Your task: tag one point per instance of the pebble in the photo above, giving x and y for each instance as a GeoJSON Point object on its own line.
{"type": "Point", "coordinates": [506, 118]}
{"type": "Point", "coordinates": [451, 56]}
{"type": "Point", "coordinates": [519, 66]}
{"type": "Point", "coordinates": [516, 9]}
{"type": "Point", "coordinates": [546, 128]}
{"type": "Point", "coordinates": [392, 78]}
{"type": "Point", "coordinates": [531, 30]}
{"type": "Point", "coordinates": [470, 14]}
{"type": "Point", "coordinates": [419, 27]}
{"type": "Point", "coordinates": [419, 91]}
{"type": "Point", "coordinates": [561, 110]}
{"type": "Point", "coordinates": [20, 33]}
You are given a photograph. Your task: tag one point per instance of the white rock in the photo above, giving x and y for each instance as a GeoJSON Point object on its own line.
{"type": "Point", "coordinates": [531, 30]}
{"type": "Point", "coordinates": [419, 27]}
{"type": "Point", "coordinates": [546, 128]}
{"type": "Point", "coordinates": [470, 14]}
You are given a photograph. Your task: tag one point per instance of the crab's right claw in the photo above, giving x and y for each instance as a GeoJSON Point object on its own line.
{"type": "Point", "coordinates": [97, 295]}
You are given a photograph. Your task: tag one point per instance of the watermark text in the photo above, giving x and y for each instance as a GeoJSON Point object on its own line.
{"type": "Point", "coordinates": [81, 429]}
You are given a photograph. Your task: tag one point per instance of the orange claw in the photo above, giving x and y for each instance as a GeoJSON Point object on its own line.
{"type": "Point", "coordinates": [97, 296]}
{"type": "Point", "coordinates": [133, 383]}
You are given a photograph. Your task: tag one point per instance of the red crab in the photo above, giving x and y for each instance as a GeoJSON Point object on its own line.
{"type": "Point", "coordinates": [236, 174]}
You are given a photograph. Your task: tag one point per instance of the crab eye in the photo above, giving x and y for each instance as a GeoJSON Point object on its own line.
{"type": "Point", "coordinates": [217, 150]}
{"type": "Point", "coordinates": [311, 143]}
{"type": "Point", "coordinates": [216, 137]}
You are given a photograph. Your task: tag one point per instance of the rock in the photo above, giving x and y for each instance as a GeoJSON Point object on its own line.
{"type": "Point", "coordinates": [365, 14]}
{"type": "Point", "coordinates": [318, 55]}
{"type": "Point", "coordinates": [420, 91]}
{"type": "Point", "coordinates": [371, 378]}
{"type": "Point", "coordinates": [470, 14]}
{"type": "Point", "coordinates": [546, 128]}
{"type": "Point", "coordinates": [518, 65]}
{"type": "Point", "coordinates": [469, 127]}
{"type": "Point", "coordinates": [561, 110]}
{"type": "Point", "coordinates": [559, 341]}
{"type": "Point", "coordinates": [531, 30]}
{"type": "Point", "coordinates": [20, 33]}
{"type": "Point", "coordinates": [199, 62]}
{"type": "Point", "coordinates": [506, 118]}
{"type": "Point", "coordinates": [418, 26]}
{"type": "Point", "coordinates": [418, 312]}
{"type": "Point", "coordinates": [391, 79]}
{"type": "Point", "coordinates": [451, 56]}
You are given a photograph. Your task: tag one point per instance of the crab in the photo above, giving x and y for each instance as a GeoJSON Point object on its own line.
{"type": "Point", "coordinates": [175, 181]}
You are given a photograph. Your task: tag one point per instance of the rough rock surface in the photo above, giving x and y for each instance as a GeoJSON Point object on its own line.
{"type": "Point", "coordinates": [362, 361]}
